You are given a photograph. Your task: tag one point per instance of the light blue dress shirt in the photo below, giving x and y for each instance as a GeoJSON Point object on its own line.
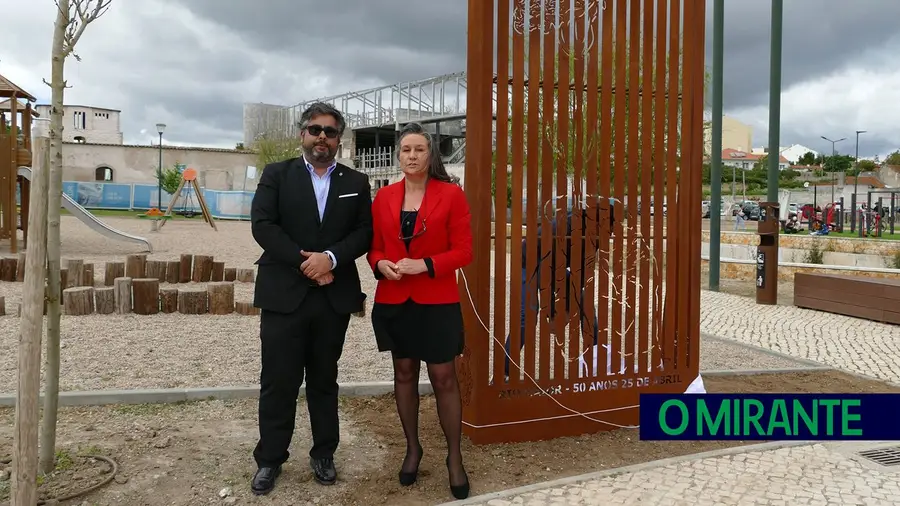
{"type": "Point", "coordinates": [321, 186]}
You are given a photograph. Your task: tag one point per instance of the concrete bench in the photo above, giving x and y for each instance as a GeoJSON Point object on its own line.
{"type": "Point", "coordinates": [875, 299]}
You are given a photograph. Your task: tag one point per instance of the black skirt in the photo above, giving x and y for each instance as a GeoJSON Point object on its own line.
{"type": "Point", "coordinates": [432, 333]}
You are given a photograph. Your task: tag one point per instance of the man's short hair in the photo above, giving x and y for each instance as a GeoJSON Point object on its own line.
{"type": "Point", "coordinates": [321, 109]}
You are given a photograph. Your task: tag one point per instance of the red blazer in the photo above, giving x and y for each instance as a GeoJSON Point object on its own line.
{"type": "Point", "coordinates": [443, 233]}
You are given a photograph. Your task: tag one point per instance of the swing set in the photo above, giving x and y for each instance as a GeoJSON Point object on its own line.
{"type": "Point", "coordinates": [189, 177]}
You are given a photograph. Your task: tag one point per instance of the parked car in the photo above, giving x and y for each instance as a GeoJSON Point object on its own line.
{"type": "Point", "coordinates": [706, 207]}
{"type": "Point", "coordinates": [751, 210]}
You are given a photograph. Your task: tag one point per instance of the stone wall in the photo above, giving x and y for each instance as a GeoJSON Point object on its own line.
{"type": "Point", "coordinates": [218, 169]}
{"type": "Point", "coordinates": [804, 241]}
{"type": "Point", "coordinates": [746, 270]}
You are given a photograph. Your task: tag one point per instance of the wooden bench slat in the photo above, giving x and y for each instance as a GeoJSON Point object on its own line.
{"type": "Point", "coordinates": [858, 285]}
{"type": "Point", "coordinates": [835, 307]}
{"type": "Point", "coordinates": [876, 299]}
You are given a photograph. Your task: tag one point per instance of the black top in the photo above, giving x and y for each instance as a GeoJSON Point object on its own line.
{"type": "Point", "coordinates": [408, 226]}
{"type": "Point", "coordinates": [407, 230]}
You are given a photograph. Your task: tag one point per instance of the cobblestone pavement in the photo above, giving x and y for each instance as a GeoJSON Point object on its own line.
{"type": "Point", "coordinates": [799, 475]}
{"type": "Point", "coordinates": [851, 344]}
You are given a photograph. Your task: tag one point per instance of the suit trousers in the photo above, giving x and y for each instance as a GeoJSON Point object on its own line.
{"type": "Point", "coordinates": [307, 342]}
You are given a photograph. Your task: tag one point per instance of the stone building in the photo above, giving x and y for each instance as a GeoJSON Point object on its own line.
{"type": "Point", "coordinates": [94, 150]}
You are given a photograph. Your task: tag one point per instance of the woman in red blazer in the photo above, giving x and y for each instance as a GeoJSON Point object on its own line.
{"type": "Point", "coordinates": [422, 236]}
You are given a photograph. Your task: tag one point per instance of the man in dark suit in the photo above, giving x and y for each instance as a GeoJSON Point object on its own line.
{"type": "Point", "coordinates": [312, 217]}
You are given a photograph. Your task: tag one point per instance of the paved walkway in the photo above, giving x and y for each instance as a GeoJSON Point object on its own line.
{"type": "Point", "coordinates": [851, 344]}
{"type": "Point", "coordinates": [807, 475]}
{"type": "Point", "coordinates": [819, 474]}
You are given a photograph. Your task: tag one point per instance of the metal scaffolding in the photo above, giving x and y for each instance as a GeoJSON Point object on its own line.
{"type": "Point", "coordinates": [398, 103]}
{"type": "Point", "coordinates": [384, 106]}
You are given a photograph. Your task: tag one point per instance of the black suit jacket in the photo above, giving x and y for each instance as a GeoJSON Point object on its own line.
{"type": "Point", "coordinates": [285, 219]}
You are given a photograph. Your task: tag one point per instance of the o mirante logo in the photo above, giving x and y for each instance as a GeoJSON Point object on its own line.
{"type": "Point", "coordinates": [769, 416]}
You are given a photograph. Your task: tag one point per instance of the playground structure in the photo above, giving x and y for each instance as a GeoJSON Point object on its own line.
{"type": "Point", "coordinates": [876, 217]}
{"type": "Point", "coordinates": [189, 177]}
{"type": "Point", "coordinates": [15, 151]}
{"type": "Point", "coordinates": [649, 341]}
{"type": "Point", "coordinates": [15, 175]}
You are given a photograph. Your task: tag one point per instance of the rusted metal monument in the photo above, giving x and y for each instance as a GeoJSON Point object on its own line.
{"type": "Point", "coordinates": [15, 152]}
{"type": "Point", "coordinates": [599, 110]}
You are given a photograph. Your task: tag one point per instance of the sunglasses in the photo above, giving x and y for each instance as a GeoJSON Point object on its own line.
{"type": "Point", "coordinates": [316, 130]}
{"type": "Point", "coordinates": [417, 234]}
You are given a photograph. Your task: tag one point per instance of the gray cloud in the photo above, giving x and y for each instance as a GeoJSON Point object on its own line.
{"type": "Point", "coordinates": [193, 63]}
{"type": "Point", "coordinates": [387, 40]}
{"type": "Point", "coordinates": [820, 37]}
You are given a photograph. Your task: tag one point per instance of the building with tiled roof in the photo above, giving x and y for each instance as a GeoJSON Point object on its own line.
{"type": "Point", "coordinates": [747, 160]}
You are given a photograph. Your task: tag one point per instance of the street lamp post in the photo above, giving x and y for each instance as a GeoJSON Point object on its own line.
{"type": "Point", "coordinates": [832, 162]}
{"type": "Point", "coordinates": [160, 127]}
{"type": "Point", "coordinates": [856, 179]}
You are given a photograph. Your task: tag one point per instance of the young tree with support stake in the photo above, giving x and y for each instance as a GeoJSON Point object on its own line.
{"type": "Point", "coordinates": [72, 17]}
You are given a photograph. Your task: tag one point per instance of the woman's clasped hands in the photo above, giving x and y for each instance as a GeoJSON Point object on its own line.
{"type": "Point", "coordinates": [407, 266]}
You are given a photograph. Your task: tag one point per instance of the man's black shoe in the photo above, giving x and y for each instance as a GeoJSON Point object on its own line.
{"type": "Point", "coordinates": [323, 470]}
{"type": "Point", "coordinates": [264, 480]}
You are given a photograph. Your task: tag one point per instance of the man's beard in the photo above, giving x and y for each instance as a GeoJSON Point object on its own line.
{"type": "Point", "coordinates": [315, 155]}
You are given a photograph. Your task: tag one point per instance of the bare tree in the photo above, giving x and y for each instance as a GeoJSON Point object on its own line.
{"type": "Point", "coordinates": [72, 18]}
{"type": "Point", "coordinates": [25, 462]}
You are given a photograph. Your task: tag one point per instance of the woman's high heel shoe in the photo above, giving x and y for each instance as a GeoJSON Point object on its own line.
{"type": "Point", "coordinates": [408, 478]}
{"type": "Point", "coordinates": [458, 491]}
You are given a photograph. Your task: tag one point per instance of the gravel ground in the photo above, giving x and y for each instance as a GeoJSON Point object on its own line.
{"type": "Point", "coordinates": [174, 350]}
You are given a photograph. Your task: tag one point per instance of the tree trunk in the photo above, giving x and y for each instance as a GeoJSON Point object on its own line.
{"type": "Point", "coordinates": [88, 275]}
{"type": "Point", "coordinates": [202, 268]}
{"type": "Point", "coordinates": [8, 269]}
{"type": "Point", "coordinates": [168, 300]}
{"type": "Point", "coordinates": [156, 269]}
{"type": "Point", "coordinates": [245, 275]}
{"type": "Point", "coordinates": [76, 273]}
{"type": "Point", "coordinates": [246, 308]}
{"type": "Point", "coordinates": [173, 270]}
{"type": "Point", "coordinates": [184, 273]}
{"type": "Point", "coordinates": [78, 301]}
{"type": "Point", "coordinates": [221, 297]}
{"type": "Point", "coordinates": [191, 301]}
{"type": "Point", "coordinates": [63, 45]}
{"type": "Point", "coordinates": [218, 271]}
{"type": "Point", "coordinates": [146, 296]}
{"type": "Point", "coordinates": [20, 268]}
{"type": "Point", "coordinates": [54, 203]}
{"type": "Point", "coordinates": [63, 280]}
{"type": "Point", "coordinates": [113, 270]}
{"type": "Point", "coordinates": [135, 265]}
{"type": "Point", "coordinates": [123, 295]}
{"type": "Point", "coordinates": [31, 322]}
{"type": "Point", "coordinates": [105, 300]}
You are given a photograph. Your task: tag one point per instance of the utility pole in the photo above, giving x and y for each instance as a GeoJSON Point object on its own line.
{"type": "Point", "coordinates": [715, 166]}
{"type": "Point", "coordinates": [856, 179]}
{"type": "Point", "coordinates": [833, 154]}
{"type": "Point", "coordinates": [775, 100]}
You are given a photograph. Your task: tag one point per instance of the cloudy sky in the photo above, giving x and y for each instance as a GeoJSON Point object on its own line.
{"type": "Point", "coordinates": [192, 63]}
